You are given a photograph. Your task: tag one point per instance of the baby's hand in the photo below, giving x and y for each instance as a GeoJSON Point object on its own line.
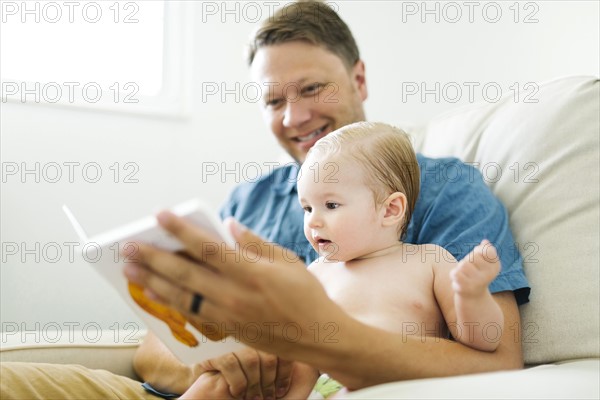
{"type": "Point", "coordinates": [473, 274]}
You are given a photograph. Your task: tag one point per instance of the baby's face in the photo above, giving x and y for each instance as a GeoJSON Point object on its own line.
{"type": "Point", "coordinates": [341, 221]}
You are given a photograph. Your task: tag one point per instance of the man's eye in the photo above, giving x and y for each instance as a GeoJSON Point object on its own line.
{"type": "Point", "coordinates": [274, 103]}
{"type": "Point", "coordinates": [312, 89]}
{"type": "Point", "coordinates": [331, 205]}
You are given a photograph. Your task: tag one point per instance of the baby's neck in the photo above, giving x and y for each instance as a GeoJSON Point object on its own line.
{"type": "Point", "coordinates": [381, 252]}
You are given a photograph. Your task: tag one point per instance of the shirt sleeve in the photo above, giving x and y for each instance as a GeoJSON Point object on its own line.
{"type": "Point", "coordinates": [227, 208]}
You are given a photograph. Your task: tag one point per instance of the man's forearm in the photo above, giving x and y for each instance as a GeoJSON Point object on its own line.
{"type": "Point", "coordinates": [155, 364]}
{"type": "Point", "coordinates": [366, 356]}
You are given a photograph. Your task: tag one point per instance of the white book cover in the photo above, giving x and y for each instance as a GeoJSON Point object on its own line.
{"type": "Point", "coordinates": [103, 253]}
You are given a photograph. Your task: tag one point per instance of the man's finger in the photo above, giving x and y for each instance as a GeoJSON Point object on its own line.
{"type": "Point", "coordinates": [229, 367]}
{"type": "Point", "coordinates": [268, 374]}
{"type": "Point", "coordinates": [283, 379]}
{"type": "Point", "coordinates": [203, 246]}
{"type": "Point", "coordinates": [250, 363]}
{"type": "Point", "coordinates": [251, 242]}
{"type": "Point", "coordinates": [181, 272]}
{"type": "Point", "coordinates": [162, 290]}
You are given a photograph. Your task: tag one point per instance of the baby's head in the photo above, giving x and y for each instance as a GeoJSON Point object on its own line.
{"type": "Point", "coordinates": [383, 153]}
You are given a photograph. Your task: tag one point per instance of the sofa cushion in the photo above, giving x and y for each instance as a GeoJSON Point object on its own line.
{"type": "Point", "coordinates": [542, 160]}
{"type": "Point", "coordinates": [572, 380]}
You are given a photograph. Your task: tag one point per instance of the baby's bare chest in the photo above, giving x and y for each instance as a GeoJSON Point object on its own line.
{"type": "Point", "coordinates": [397, 297]}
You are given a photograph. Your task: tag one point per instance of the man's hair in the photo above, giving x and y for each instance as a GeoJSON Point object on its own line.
{"type": "Point", "coordinates": [307, 21]}
{"type": "Point", "coordinates": [386, 155]}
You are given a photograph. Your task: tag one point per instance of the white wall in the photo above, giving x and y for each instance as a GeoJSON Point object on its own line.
{"type": "Point", "coordinates": [170, 152]}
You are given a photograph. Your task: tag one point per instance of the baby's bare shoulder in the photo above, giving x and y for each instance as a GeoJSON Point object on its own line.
{"type": "Point", "coordinates": [426, 253]}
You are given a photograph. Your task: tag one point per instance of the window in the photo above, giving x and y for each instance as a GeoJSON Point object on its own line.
{"type": "Point", "coordinates": [118, 55]}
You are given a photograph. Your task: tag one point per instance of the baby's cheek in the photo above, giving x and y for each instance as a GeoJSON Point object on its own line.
{"type": "Point", "coordinates": [307, 232]}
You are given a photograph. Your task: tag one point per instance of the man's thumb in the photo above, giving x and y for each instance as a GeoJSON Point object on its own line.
{"type": "Point", "coordinates": [248, 239]}
{"type": "Point", "coordinates": [240, 233]}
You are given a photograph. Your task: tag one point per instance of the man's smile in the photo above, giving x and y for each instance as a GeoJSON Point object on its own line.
{"type": "Point", "coordinates": [310, 136]}
{"type": "Point", "coordinates": [316, 134]}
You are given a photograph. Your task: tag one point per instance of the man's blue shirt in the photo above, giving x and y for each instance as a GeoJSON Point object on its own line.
{"type": "Point", "coordinates": [455, 210]}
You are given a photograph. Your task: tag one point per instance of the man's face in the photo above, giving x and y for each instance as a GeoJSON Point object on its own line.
{"type": "Point", "coordinates": [308, 92]}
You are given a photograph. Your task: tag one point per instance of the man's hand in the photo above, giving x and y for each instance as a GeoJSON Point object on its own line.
{"type": "Point", "coordinates": [258, 291]}
{"type": "Point", "coordinates": [251, 374]}
{"type": "Point", "coordinates": [217, 384]}
{"type": "Point", "coordinates": [247, 373]}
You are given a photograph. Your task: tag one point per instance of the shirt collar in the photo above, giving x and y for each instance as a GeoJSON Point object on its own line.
{"type": "Point", "coordinates": [285, 180]}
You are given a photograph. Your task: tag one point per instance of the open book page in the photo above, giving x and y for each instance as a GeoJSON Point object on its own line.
{"type": "Point", "coordinates": [103, 251]}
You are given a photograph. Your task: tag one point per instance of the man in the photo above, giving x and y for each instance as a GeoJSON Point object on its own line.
{"type": "Point", "coordinates": [320, 86]}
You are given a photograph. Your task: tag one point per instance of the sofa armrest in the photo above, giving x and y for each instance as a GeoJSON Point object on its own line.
{"type": "Point", "coordinates": [104, 352]}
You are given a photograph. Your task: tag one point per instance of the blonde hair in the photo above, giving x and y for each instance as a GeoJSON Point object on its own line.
{"type": "Point", "coordinates": [385, 154]}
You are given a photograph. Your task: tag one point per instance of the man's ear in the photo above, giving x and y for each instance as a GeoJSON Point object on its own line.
{"type": "Point", "coordinates": [360, 79]}
{"type": "Point", "coordinates": [395, 209]}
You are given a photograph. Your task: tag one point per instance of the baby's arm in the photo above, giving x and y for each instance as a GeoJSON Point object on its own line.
{"type": "Point", "coordinates": [475, 319]}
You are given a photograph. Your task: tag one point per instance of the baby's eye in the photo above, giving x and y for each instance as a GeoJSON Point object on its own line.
{"type": "Point", "coordinates": [307, 209]}
{"type": "Point", "coordinates": [331, 205]}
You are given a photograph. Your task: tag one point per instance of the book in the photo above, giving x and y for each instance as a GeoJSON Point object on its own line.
{"type": "Point", "coordinates": [103, 253]}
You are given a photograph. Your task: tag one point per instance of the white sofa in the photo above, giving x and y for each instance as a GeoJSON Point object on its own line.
{"type": "Point", "coordinates": [542, 160]}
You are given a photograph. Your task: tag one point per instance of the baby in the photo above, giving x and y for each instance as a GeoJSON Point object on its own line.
{"type": "Point", "coordinates": [358, 187]}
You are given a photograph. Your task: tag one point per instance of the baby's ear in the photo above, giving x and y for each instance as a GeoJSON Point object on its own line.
{"type": "Point", "coordinates": [395, 208]}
